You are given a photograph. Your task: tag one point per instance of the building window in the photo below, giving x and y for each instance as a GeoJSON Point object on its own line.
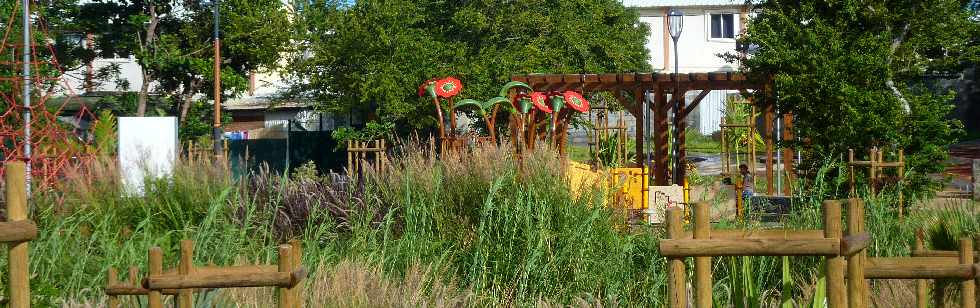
{"type": "Point", "coordinates": [723, 26]}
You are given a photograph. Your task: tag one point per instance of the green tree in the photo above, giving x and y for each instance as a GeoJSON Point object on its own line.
{"type": "Point", "coordinates": [852, 72]}
{"type": "Point", "coordinates": [173, 42]}
{"type": "Point", "coordinates": [369, 57]}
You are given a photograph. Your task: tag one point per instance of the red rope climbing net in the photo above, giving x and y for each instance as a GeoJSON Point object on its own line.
{"type": "Point", "coordinates": [58, 141]}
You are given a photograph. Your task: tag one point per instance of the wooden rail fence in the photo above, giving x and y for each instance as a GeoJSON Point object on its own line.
{"type": "Point", "coordinates": [831, 242]}
{"type": "Point", "coordinates": [286, 276]}
{"type": "Point", "coordinates": [361, 155]}
{"type": "Point", "coordinates": [16, 232]}
{"type": "Point", "coordinates": [705, 243]}
{"type": "Point", "coordinates": [925, 264]}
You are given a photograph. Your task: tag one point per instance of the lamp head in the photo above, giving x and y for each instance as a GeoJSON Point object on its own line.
{"type": "Point", "coordinates": [675, 23]}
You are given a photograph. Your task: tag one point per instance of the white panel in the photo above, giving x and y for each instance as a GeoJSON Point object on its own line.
{"type": "Point", "coordinates": [663, 197]}
{"type": "Point", "coordinates": [147, 148]}
{"type": "Point", "coordinates": [655, 42]}
{"type": "Point", "coordinates": [711, 110]}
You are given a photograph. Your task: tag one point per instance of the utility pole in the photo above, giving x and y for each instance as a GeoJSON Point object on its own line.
{"type": "Point", "coordinates": [217, 133]}
{"type": "Point", "coordinates": [27, 93]}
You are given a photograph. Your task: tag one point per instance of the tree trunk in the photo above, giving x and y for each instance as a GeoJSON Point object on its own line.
{"type": "Point", "coordinates": [187, 98]}
{"type": "Point", "coordinates": [144, 93]}
{"type": "Point", "coordinates": [145, 87]}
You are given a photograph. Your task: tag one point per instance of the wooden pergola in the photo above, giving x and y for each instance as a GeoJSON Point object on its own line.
{"type": "Point", "coordinates": [639, 85]}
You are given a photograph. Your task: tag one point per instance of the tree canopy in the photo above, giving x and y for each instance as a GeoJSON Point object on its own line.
{"type": "Point", "coordinates": [172, 40]}
{"type": "Point", "coordinates": [370, 57]}
{"type": "Point", "coordinates": [854, 73]}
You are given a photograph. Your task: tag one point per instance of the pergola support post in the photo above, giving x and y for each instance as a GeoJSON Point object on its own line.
{"type": "Point", "coordinates": [681, 129]}
{"type": "Point", "coordinates": [660, 141]}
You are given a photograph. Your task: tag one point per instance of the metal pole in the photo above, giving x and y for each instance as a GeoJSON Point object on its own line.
{"type": "Point", "coordinates": [217, 133]}
{"type": "Point", "coordinates": [676, 97]}
{"type": "Point", "coordinates": [27, 94]}
{"type": "Point", "coordinates": [779, 154]}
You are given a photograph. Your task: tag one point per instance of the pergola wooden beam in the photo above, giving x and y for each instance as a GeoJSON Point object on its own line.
{"type": "Point", "coordinates": [697, 100]}
{"type": "Point", "coordinates": [637, 84]}
{"type": "Point", "coordinates": [645, 81]}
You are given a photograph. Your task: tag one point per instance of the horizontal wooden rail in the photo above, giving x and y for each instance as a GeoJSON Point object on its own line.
{"type": "Point", "coordinates": [762, 234]}
{"type": "Point", "coordinates": [366, 150]}
{"type": "Point", "coordinates": [182, 281]}
{"type": "Point", "coordinates": [212, 269]}
{"type": "Point", "coordinates": [749, 247]}
{"type": "Point", "coordinates": [226, 280]}
{"type": "Point", "coordinates": [936, 253]}
{"type": "Point", "coordinates": [125, 289]}
{"type": "Point", "coordinates": [913, 268]}
{"type": "Point", "coordinates": [17, 231]}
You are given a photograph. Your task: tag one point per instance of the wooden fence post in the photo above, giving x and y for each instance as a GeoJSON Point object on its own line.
{"type": "Point", "coordinates": [350, 157]}
{"type": "Point", "coordinates": [855, 263]}
{"type": "Point", "coordinates": [297, 254]}
{"type": "Point", "coordinates": [921, 285]}
{"type": "Point", "coordinates": [850, 173]}
{"type": "Point", "coordinates": [134, 272]}
{"type": "Point", "coordinates": [976, 279]}
{"type": "Point", "coordinates": [702, 265]}
{"type": "Point", "coordinates": [967, 287]}
{"type": "Point", "coordinates": [113, 280]}
{"type": "Point", "coordinates": [18, 267]}
{"type": "Point", "coordinates": [285, 266]}
{"type": "Point", "coordinates": [836, 295]}
{"type": "Point", "coordinates": [677, 275]}
{"type": "Point", "coordinates": [377, 155]}
{"type": "Point", "coordinates": [155, 262]}
{"type": "Point", "coordinates": [873, 176]}
{"type": "Point", "coordinates": [185, 297]}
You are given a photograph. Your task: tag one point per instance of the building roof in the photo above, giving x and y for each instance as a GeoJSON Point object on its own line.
{"type": "Point", "coordinates": [262, 103]}
{"type": "Point", "coordinates": [679, 3]}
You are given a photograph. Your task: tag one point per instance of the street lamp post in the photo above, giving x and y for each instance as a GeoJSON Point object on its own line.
{"type": "Point", "coordinates": [675, 24]}
{"type": "Point", "coordinates": [26, 92]}
{"type": "Point", "coordinates": [216, 131]}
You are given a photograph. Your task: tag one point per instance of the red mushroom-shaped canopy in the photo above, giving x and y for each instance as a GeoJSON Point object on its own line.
{"type": "Point", "coordinates": [576, 101]}
{"type": "Point", "coordinates": [448, 87]}
{"type": "Point", "coordinates": [540, 101]}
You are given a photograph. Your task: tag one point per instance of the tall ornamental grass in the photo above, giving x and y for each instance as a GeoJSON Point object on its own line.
{"type": "Point", "coordinates": [511, 232]}
{"type": "Point", "coordinates": [476, 228]}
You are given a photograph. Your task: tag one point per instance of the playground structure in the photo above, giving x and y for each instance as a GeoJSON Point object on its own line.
{"type": "Point", "coordinates": [31, 128]}
{"type": "Point", "coordinates": [731, 153]}
{"type": "Point", "coordinates": [876, 165]}
{"type": "Point", "coordinates": [286, 277]}
{"type": "Point", "coordinates": [534, 116]}
{"type": "Point", "coordinates": [645, 97]}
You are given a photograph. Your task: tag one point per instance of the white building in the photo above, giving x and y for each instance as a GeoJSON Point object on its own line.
{"type": "Point", "coordinates": [710, 29]}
